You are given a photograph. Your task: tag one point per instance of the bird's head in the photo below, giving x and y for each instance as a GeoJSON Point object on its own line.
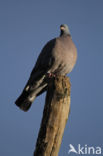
{"type": "Point", "coordinates": [64, 30]}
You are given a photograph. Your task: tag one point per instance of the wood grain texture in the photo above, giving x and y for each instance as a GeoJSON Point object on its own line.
{"type": "Point", "coordinates": [55, 115]}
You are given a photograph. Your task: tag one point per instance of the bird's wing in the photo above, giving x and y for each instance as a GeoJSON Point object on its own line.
{"type": "Point", "coordinates": [45, 59]}
{"type": "Point", "coordinates": [36, 83]}
{"type": "Point", "coordinates": [43, 64]}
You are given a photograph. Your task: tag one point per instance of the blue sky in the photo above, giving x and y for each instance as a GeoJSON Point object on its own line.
{"type": "Point", "coordinates": [25, 26]}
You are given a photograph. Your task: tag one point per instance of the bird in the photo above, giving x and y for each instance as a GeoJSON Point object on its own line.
{"type": "Point", "coordinates": [58, 57]}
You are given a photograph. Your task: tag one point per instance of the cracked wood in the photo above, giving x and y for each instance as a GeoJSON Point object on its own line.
{"type": "Point", "coordinates": [55, 115]}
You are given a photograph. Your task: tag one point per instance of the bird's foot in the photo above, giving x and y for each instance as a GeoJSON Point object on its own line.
{"type": "Point", "coordinates": [51, 75]}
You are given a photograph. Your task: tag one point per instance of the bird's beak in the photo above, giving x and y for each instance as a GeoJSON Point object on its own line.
{"type": "Point", "coordinates": [61, 28]}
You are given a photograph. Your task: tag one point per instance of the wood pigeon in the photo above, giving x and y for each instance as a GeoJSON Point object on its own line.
{"type": "Point", "coordinates": [57, 57]}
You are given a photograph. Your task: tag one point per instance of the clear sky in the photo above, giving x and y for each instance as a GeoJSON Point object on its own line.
{"type": "Point", "coordinates": [25, 26]}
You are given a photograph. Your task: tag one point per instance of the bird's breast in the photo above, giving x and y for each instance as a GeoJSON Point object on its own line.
{"type": "Point", "coordinates": [65, 53]}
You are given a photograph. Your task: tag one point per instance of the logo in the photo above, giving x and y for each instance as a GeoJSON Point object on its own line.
{"type": "Point", "coordinates": [85, 150]}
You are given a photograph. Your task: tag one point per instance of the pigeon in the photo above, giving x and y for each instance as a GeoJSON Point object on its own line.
{"type": "Point", "coordinates": [58, 57]}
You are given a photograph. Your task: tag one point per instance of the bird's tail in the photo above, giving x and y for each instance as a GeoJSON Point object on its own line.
{"type": "Point", "coordinates": [23, 101]}
{"type": "Point", "coordinates": [29, 93]}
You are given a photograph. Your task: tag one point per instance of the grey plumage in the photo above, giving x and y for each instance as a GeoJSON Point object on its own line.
{"type": "Point", "coordinates": [58, 57]}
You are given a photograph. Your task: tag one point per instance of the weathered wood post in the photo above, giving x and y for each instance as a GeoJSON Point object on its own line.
{"type": "Point", "coordinates": [55, 115]}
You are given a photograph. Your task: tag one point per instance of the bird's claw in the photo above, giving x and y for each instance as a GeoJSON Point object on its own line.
{"type": "Point", "coordinates": [51, 75]}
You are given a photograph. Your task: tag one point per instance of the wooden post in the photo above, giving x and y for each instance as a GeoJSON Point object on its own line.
{"type": "Point", "coordinates": [55, 115]}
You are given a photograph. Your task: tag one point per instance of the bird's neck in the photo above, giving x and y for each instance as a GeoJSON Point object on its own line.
{"type": "Point", "coordinates": [63, 33]}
